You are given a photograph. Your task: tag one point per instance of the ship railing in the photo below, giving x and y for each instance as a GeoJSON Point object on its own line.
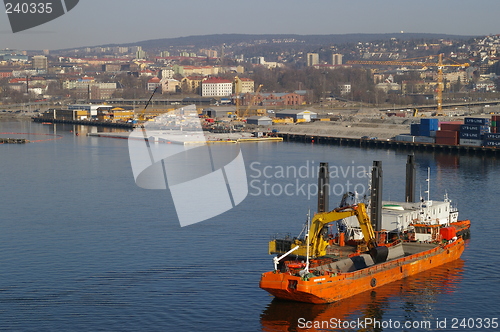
{"type": "Point", "coordinates": [383, 266]}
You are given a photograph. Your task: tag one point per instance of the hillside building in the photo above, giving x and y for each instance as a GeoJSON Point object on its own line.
{"type": "Point", "coordinates": [216, 87]}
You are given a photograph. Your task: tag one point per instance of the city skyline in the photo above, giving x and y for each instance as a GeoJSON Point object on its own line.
{"type": "Point", "coordinates": [94, 22]}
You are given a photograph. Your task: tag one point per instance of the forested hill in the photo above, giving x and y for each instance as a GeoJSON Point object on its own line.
{"type": "Point", "coordinates": [231, 39]}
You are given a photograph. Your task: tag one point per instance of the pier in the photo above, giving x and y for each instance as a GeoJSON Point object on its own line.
{"type": "Point", "coordinates": [389, 144]}
{"type": "Point", "coordinates": [13, 141]}
{"type": "Point", "coordinates": [86, 122]}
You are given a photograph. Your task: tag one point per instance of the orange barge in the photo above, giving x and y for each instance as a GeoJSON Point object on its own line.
{"type": "Point", "coordinates": [323, 285]}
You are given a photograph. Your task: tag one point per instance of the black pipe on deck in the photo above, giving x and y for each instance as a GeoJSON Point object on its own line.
{"type": "Point", "coordinates": [323, 187]}
{"type": "Point", "coordinates": [376, 196]}
{"type": "Point", "coordinates": [410, 179]}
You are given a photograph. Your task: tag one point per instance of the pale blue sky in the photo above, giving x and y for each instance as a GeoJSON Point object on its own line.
{"type": "Point", "coordinates": [97, 22]}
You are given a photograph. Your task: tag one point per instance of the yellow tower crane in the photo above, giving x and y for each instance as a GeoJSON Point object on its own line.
{"type": "Point", "coordinates": [252, 102]}
{"type": "Point", "coordinates": [440, 65]}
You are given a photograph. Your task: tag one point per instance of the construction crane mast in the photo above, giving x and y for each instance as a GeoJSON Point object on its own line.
{"type": "Point", "coordinates": [439, 65]}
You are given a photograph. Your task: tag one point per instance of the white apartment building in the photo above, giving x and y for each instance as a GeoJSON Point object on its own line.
{"type": "Point", "coordinates": [216, 87]}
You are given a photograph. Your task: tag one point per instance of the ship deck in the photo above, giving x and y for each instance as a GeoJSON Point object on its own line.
{"type": "Point", "coordinates": [355, 263]}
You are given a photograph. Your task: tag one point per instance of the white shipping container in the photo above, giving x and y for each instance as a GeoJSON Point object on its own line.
{"type": "Point", "coordinates": [424, 139]}
{"type": "Point", "coordinates": [471, 142]}
{"type": "Point", "coordinates": [405, 138]}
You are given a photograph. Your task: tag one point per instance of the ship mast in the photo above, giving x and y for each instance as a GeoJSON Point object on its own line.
{"type": "Point", "coordinates": [306, 269]}
{"type": "Point", "coordinates": [428, 191]}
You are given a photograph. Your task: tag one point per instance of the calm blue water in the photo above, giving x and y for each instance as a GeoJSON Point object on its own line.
{"type": "Point", "coordinates": [84, 249]}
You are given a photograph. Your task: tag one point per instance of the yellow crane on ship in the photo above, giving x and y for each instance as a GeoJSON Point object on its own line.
{"type": "Point", "coordinates": [317, 242]}
{"type": "Point", "coordinates": [440, 65]}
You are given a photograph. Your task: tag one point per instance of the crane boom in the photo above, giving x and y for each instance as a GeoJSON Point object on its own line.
{"type": "Point", "coordinates": [245, 114]}
{"type": "Point", "coordinates": [142, 115]}
{"type": "Point", "coordinates": [316, 234]}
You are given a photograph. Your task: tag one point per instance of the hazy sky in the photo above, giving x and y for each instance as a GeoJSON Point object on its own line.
{"type": "Point", "coordinates": [97, 22]}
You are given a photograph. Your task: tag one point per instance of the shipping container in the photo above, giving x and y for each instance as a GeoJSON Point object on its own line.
{"type": "Point", "coordinates": [475, 129]}
{"type": "Point", "coordinates": [492, 136]}
{"type": "Point", "coordinates": [431, 124]}
{"type": "Point", "coordinates": [424, 132]}
{"type": "Point", "coordinates": [470, 128]}
{"type": "Point", "coordinates": [492, 143]}
{"type": "Point", "coordinates": [447, 140]}
{"type": "Point", "coordinates": [477, 121]}
{"type": "Point", "coordinates": [450, 126]}
{"type": "Point", "coordinates": [405, 138]}
{"type": "Point", "coordinates": [471, 142]}
{"type": "Point", "coordinates": [415, 129]}
{"type": "Point", "coordinates": [470, 135]}
{"type": "Point", "coordinates": [447, 134]}
{"type": "Point", "coordinates": [424, 139]}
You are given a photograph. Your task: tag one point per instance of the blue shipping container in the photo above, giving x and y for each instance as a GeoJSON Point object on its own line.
{"type": "Point", "coordinates": [477, 121]}
{"type": "Point", "coordinates": [475, 129]}
{"type": "Point", "coordinates": [470, 128]}
{"type": "Point", "coordinates": [492, 143]}
{"type": "Point", "coordinates": [431, 124]}
{"type": "Point", "coordinates": [470, 135]}
{"type": "Point", "coordinates": [415, 129]}
{"type": "Point", "coordinates": [426, 133]}
{"type": "Point", "coordinates": [492, 136]}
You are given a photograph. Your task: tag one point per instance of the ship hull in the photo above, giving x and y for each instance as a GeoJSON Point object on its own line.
{"type": "Point", "coordinates": [337, 286]}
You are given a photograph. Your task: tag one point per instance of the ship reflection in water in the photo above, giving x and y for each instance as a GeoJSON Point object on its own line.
{"type": "Point", "coordinates": [416, 295]}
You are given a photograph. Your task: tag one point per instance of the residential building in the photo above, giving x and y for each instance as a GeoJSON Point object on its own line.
{"type": "Point", "coordinates": [413, 87]}
{"type": "Point", "coordinates": [5, 74]}
{"type": "Point", "coordinates": [169, 85]}
{"type": "Point", "coordinates": [456, 76]}
{"type": "Point", "coordinates": [140, 54]}
{"type": "Point", "coordinates": [209, 53]}
{"type": "Point", "coordinates": [195, 70]}
{"type": "Point", "coordinates": [191, 84]}
{"type": "Point", "coordinates": [336, 59]}
{"type": "Point", "coordinates": [485, 85]}
{"type": "Point", "coordinates": [167, 73]}
{"type": "Point", "coordinates": [216, 87]}
{"type": "Point", "coordinates": [312, 59]}
{"type": "Point", "coordinates": [153, 83]}
{"type": "Point", "coordinates": [345, 88]}
{"type": "Point", "coordinates": [388, 86]}
{"type": "Point", "coordinates": [40, 63]}
{"type": "Point", "coordinates": [243, 85]}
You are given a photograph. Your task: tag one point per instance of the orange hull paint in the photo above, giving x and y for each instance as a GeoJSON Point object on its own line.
{"type": "Point", "coordinates": [284, 315]}
{"type": "Point", "coordinates": [332, 288]}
